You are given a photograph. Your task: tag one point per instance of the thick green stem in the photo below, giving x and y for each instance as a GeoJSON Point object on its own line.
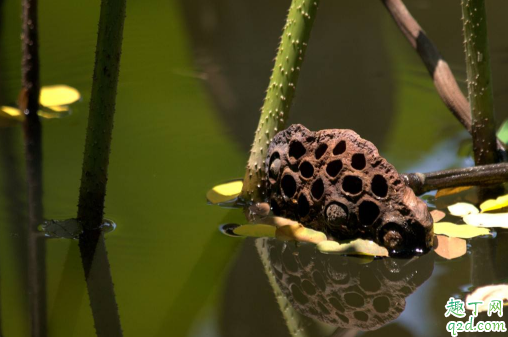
{"type": "Point", "coordinates": [479, 82]}
{"type": "Point", "coordinates": [280, 93]}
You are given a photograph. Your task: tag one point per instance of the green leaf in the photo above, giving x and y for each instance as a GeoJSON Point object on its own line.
{"type": "Point", "coordinates": [502, 132]}
{"type": "Point", "coordinates": [487, 220]}
{"type": "Point", "coordinates": [256, 231]}
{"type": "Point", "coordinates": [459, 231]}
{"type": "Point", "coordinates": [493, 204]}
{"type": "Point", "coordinates": [297, 232]}
{"type": "Point", "coordinates": [355, 247]}
{"type": "Point", "coordinates": [462, 209]}
{"type": "Point", "coordinates": [225, 194]}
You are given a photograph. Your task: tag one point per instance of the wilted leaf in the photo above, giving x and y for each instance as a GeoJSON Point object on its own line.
{"type": "Point", "coordinates": [437, 215]}
{"type": "Point", "coordinates": [65, 229]}
{"type": "Point", "coordinates": [452, 190]}
{"type": "Point", "coordinates": [459, 231]}
{"type": "Point", "coordinates": [449, 247]}
{"type": "Point", "coordinates": [462, 209]}
{"type": "Point", "coordinates": [56, 95]}
{"type": "Point", "coordinates": [257, 231]}
{"type": "Point", "coordinates": [297, 232]}
{"type": "Point", "coordinates": [487, 220]}
{"type": "Point", "coordinates": [486, 294]}
{"type": "Point", "coordinates": [356, 247]}
{"type": "Point", "coordinates": [225, 193]}
{"type": "Point", "coordinates": [493, 204]}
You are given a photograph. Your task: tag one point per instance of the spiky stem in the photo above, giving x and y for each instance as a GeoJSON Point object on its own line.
{"type": "Point", "coordinates": [479, 82]}
{"type": "Point", "coordinates": [280, 93]}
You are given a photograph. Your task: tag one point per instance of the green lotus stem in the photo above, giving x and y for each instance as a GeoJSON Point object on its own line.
{"type": "Point", "coordinates": [280, 93]}
{"type": "Point", "coordinates": [479, 83]}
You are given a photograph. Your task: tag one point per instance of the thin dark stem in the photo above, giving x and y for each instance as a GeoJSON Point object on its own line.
{"type": "Point", "coordinates": [92, 191]}
{"type": "Point", "coordinates": [493, 174]}
{"type": "Point", "coordinates": [29, 104]}
{"type": "Point", "coordinates": [438, 68]}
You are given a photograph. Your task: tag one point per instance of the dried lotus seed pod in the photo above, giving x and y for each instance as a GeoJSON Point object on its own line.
{"type": "Point", "coordinates": [336, 182]}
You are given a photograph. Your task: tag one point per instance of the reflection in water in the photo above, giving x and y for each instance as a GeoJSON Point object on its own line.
{"type": "Point", "coordinates": [339, 290]}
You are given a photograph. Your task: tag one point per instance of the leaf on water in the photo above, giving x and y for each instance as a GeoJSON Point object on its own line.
{"type": "Point", "coordinates": [256, 231]}
{"type": "Point", "coordinates": [355, 247]}
{"type": "Point", "coordinates": [225, 194]}
{"type": "Point", "coordinates": [452, 190]}
{"type": "Point", "coordinates": [57, 111]}
{"type": "Point", "coordinates": [487, 294]}
{"type": "Point", "coordinates": [437, 215]}
{"type": "Point", "coordinates": [64, 229]}
{"type": "Point", "coordinates": [502, 132]}
{"type": "Point", "coordinates": [462, 209]}
{"type": "Point", "coordinates": [449, 247]}
{"type": "Point", "coordinates": [493, 204]}
{"type": "Point", "coordinates": [297, 232]}
{"type": "Point", "coordinates": [57, 95]}
{"type": "Point", "coordinates": [487, 220]}
{"type": "Point", "coordinates": [10, 112]}
{"type": "Point", "coordinates": [459, 231]}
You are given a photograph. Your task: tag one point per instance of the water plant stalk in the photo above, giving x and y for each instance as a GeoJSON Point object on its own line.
{"type": "Point", "coordinates": [440, 72]}
{"type": "Point", "coordinates": [29, 104]}
{"type": "Point", "coordinates": [92, 191]}
{"type": "Point", "coordinates": [481, 175]}
{"type": "Point", "coordinates": [280, 92]}
{"type": "Point", "coordinates": [479, 83]}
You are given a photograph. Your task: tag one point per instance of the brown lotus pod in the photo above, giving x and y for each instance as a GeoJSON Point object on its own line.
{"type": "Point", "coordinates": [336, 182]}
{"type": "Point", "coordinates": [340, 291]}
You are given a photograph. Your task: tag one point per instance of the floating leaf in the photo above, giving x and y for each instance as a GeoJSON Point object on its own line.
{"type": "Point", "coordinates": [297, 232]}
{"type": "Point", "coordinates": [462, 209]}
{"type": "Point", "coordinates": [449, 247]}
{"type": "Point", "coordinates": [437, 215]}
{"type": "Point", "coordinates": [58, 95]}
{"type": "Point", "coordinates": [487, 220]}
{"type": "Point", "coordinates": [225, 194]}
{"type": "Point", "coordinates": [355, 247]}
{"type": "Point", "coordinates": [13, 113]}
{"type": "Point", "coordinates": [257, 231]}
{"type": "Point", "coordinates": [459, 231]}
{"type": "Point", "coordinates": [451, 190]}
{"type": "Point", "coordinates": [493, 204]}
{"type": "Point", "coordinates": [487, 294]}
{"type": "Point", "coordinates": [502, 132]}
{"type": "Point", "coordinates": [65, 229]}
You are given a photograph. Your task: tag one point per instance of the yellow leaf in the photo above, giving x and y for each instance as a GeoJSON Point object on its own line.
{"type": "Point", "coordinates": [225, 193]}
{"type": "Point", "coordinates": [487, 220]}
{"type": "Point", "coordinates": [299, 233]}
{"type": "Point", "coordinates": [459, 231]}
{"type": "Point", "coordinates": [12, 112]}
{"type": "Point", "coordinates": [462, 209]}
{"type": "Point", "coordinates": [449, 247]}
{"type": "Point", "coordinates": [356, 247]}
{"type": "Point", "coordinates": [452, 190]}
{"type": "Point", "coordinates": [257, 231]}
{"type": "Point", "coordinates": [493, 204]}
{"type": "Point", "coordinates": [437, 215]}
{"type": "Point", "coordinates": [53, 112]}
{"type": "Point", "coordinates": [56, 95]}
{"type": "Point", "coordinates": [487, 294]}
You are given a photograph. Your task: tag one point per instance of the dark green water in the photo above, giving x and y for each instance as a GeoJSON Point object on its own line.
{"type": "Point", "coordinates": [193, 75]}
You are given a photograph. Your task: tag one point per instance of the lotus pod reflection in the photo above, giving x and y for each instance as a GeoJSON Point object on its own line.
{"type": "Point", "coordinates": [336, 182]}
{"type": "Point", "coordinates": [337, 290]}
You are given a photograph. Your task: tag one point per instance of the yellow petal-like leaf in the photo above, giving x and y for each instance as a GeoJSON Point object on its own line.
{"type": "Point", "coordinates": [356, 247]}
{"type": "Point", "coordinates": [493, 204]}
{"type": "Point", "coordinates": [462, 209]}
{"type": "Point", "coordinates": [459, 231]}
{"type": "Point", "coordinates": [56, 95]}
{"type": "Point", "coordinates": [54, 112]}
{"type": "Point", "coordinates": [225, 193]}
{"type": "Point", "coordinates": [450, 247]}
{"type": "Point", "coordinates": [487, 220]}
{"type": "Point", "coordinates": [11, 112]}
{"type": "Point", "coordinates": [299, 233]}
{"type": "Point", "coordinates": [452, 190]}
{"type": "Point", "coordinates": [257, 231]}
{"type": "Point", "coordinates": [437, 215]}
{"type": "Point", "coordinates": [487, 294]}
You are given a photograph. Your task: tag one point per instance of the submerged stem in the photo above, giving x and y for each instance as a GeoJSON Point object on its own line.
{"type": "Point", "coordinates": [479, 81]}
{"type": "Point", "coordinates": [280, 92]}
